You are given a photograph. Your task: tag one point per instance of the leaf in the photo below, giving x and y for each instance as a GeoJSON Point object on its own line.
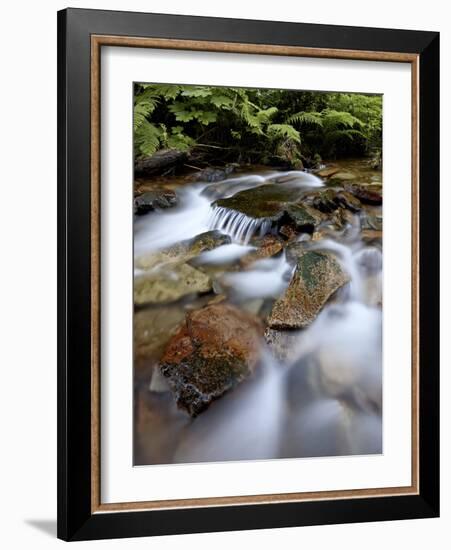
{"type": "Point", "coordinates": [205, 117]}
{"type": "Point", "coordinates": [284, 131]}
{"type": "Point", "coordinates": [147, 138]}
{"type": "Point", "coordinates": [196, 91]}
{"type": "Point", "coordinates": [303, 117]}
{"type": "Point", "coordinates": [182, 112]}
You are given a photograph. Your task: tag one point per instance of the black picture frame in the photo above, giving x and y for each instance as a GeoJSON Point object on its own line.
{"type": "Point", "coordinates": [76, 520]}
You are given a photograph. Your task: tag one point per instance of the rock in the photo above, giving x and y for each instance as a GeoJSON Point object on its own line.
{"type": "Point", "coordinates": [371, 236]}
{"type": "Point", "coordinates": [344, 176]}
{"type": "Point", "coordinates": [319, 235]}
{"type": "Point", "coordinates": [368, 194]}
{"type": "Point", "coordinates": [329, 200]}
{"type": "Point", "coordinates": [317, 277]}
{"type": "Point", "coordinates": [268, 246]}
{"type": "Point", "coordinates": [348, 201]}
{"type": "Point", "coordinates": [294, 251]}
{"type": "Point", "coordinates": [183, 251]}
{"type": "Point", "coordinates": [212, 174]}
{"type": "Point", "coordinates": [153, 200]}
{"type": "Point", "coordinates": [327, 172]}
{"type": "Point", "coordinates": [288, 231]}
{"type": "Point", "coordinates": [152, 329]}
{"type": "Point", "coordinates": [304, 217]}
{"type": "Point", "coordinates": [324, 201]}
{"type": "Point", "coordinates": [216, 348]}
{"type": "Point", "coordinates": [371, 220]}
{"type": "Point", "coordinates": [169, 283]}
{"type": "Point", "coordinates": [267, 201]}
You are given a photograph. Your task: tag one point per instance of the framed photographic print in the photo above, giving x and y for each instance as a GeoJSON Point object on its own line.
{"type": "Point", "coordinates": [248, 274]}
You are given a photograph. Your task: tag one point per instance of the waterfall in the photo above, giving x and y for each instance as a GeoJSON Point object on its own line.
{"type": "Point", "coordinates": [240, 227]}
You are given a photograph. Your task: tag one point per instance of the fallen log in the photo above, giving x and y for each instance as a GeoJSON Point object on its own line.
{"type": "Point", "coordinates": [159, 162]}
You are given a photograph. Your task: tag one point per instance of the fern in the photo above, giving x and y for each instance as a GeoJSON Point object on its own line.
{"type": "Point", "coordinates": [284, 131]}
{"type": "Point", "coordinates": [147, 138]}
{"type": "Point", "coordinates": [303, 117]}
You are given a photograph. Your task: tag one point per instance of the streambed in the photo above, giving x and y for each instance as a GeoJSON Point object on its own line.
{"type": "Point", "coordinates": [285, 271]}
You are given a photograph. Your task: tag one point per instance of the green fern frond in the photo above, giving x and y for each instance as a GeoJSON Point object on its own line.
{"type": "Point", "coordinates": [148, 138]}
{"type": "Point", "coordinates": [284, 131]}
{"type": "Point", "coordinates": [312, 118]}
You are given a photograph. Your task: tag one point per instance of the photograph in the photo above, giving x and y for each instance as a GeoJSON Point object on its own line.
{"type": "Point", "coordinates": [258, 277]}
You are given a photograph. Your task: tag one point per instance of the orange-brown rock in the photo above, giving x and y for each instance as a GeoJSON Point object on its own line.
{"type": "Point", "coordinates": [216, 348]}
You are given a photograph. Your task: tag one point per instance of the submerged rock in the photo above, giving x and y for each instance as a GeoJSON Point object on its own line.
{"type": "Point", "coordinates": [183, 251]}
{"type": "Point", "coordinates": [317, 277]}
{"type": "Point", "coordinates": [328, 171]}
{"type": "Point", "coordinates": [368, 194]}
{"type": "Point", "coordinates": [216, 348]}
{"type": "Point", "coordinates": [170, 283]}
{"type": "Point", "coordinates": [212, 174]}
{"type": "Point", "coordinates": [344, 176]}
{"type": "Point", "coordinates": [267, 247]}
{"type": "Point", "coordinates": [153, 200]}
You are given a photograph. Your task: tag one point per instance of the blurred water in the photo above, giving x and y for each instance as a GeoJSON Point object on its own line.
{"type": "Point", "coordinates": [324, 398]}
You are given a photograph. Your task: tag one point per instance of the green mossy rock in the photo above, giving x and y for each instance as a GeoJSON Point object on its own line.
{"type": "Point", "coordinates": [317, 277]}
{"type": "Point", "coordinates": [184, 251]}
{"type": "Point", "coordinates": [170, 283]}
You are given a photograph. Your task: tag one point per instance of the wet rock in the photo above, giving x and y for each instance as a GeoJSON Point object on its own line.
{"type": "Point", "coordinates": [328, 171]}
{"type": "Point", "coordinates": [324, 201]}
{"type": "Point", "coordinates": [170, 283]}
{"type": "Point", "coordinates": [304, 217]}
{"type": "Point", "coordinates": [371, 236]}
{"type": "Point", "coordinates": [344, 176]}
{"type": "Point", "coordinates": [154, 200]}
{"type": "Point", "coordinates": [216, 348]}
{"type": "Point", "coordinates": [368, 194]}
{"type": "Point", "coordinates": [348, 201]}
{"type": "Point", "coordinates": [152, 329]}
{"type": "Point", "coordinates": [317, 277]}
{"type": "Point", "coordinates": [183, 251]}
{"type": "Point", "coordinates": [267, 201]}
{"type": "Point", "coordinates": [329, 200]}
{"type": "Point", "coordinates": [288, 231]}
{"type": "Point", "coordinates": [342, 218]}
{"type": "Point", "coordinates": [371, 220]}
{"type": "Point", "coordinates": [294, 251]}
{"type": "Point", "coordinates": [267, 247]}
{"type": "Point", "coordinates": [213, 174]}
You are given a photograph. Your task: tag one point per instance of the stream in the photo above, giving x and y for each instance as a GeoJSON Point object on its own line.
{"type": "Point", "coordinates": [317, 390]}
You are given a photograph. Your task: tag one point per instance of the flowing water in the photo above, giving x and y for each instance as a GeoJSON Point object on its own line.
{"type": "Point", "coordinates": [322, 395]}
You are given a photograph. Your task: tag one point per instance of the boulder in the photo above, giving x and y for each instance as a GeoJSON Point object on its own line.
{"type": "Point", "coordinates": [344, 176]}
{"type": "Point", "coordinates": [216, 348]}
{"type": "Point", "coordinates": [170, 283]}
{"type": "Point", "coordinates": [213, 174]}
{"type": "Point", "coordinates": [368, 194]}
{"type": "Point", "coordinates": [328, 171]}
{"type": "Point", "coordinates": [267, 201]}
{"type": "Point", "coordinates": [317, 277]}
{"type": "Point", "coordinates": [154, 200]}
{"type": "Point", "coordinates": [267, 246]}
{"type": "Point", "coordinates": [276, 204]}
{"type": "Point", "coordinates": [183, 251]}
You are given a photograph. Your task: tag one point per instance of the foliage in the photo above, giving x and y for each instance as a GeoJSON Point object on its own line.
{"type": "Point", "coordinates": [254, 124]}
